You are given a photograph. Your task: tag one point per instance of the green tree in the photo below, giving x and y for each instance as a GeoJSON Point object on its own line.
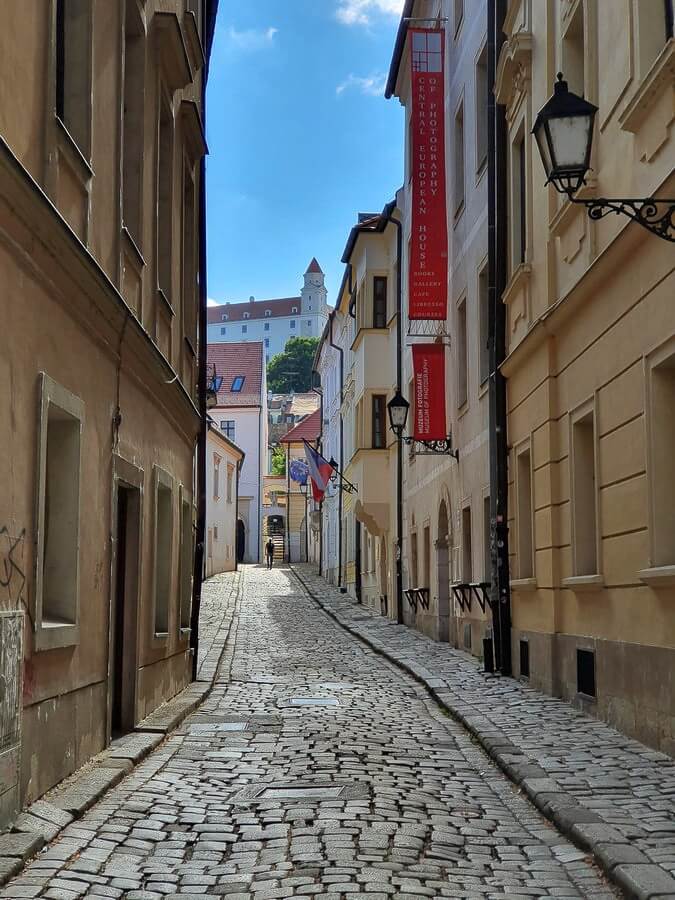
{"type": "Point", "coordinates": [292, 369]}
{"type": "Point", "coordinates": [278, 461]}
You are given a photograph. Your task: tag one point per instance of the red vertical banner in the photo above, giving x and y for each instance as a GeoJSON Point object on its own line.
{"type": "Point", "coordinates": [429, 386]}
{"type": "Point", "coordinates": [428, 261]}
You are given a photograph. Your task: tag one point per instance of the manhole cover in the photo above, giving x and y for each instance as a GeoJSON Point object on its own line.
{"type": "Point", "coordinates": [302, 790]}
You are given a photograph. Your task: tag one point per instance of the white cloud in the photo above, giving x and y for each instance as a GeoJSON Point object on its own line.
{"type": "Point", "coordinates": [360, 12]}
{"type": "Point", "coordinates": [250, 38]}
{"type": "Point", "coordinates": [372, 85]}
{"type": "Point", "coordinates": [211, 302]}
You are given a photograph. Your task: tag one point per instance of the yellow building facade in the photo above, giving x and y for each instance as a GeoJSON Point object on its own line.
{"type": "Point", "coordinates": [590, 369]}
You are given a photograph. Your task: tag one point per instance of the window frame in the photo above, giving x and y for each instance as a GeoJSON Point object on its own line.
{"type": "Point", "coordinates": [380, 303]}
{"type": "Point", "coordinates": [162, 480]}
{"type": "Point", "coordinates": [378, 410]}
{"type": "Point", "coordinates": [186, 564]}
{"type": "Point", "coordinates": [576, 417]}
{"type": "Point", "coordinates": [481, 159]}
{"type": "Point", "coordinates": [237, 384]}
{"type": "Point", "coordinates": [525, 572]}
{"type": "Point", "coordinates": [51, 636]}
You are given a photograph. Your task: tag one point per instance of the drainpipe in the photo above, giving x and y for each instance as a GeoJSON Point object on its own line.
{"type": "Point", "coordinates": [288, 502]}
{"type": "Point", "coordinates": [319, 391]}
{"type": "Point", "coordinates": [500, 594]}
{"type": "Point", "coordinates": [198, 570]}
{"type": "Point", "coordinates": [342, 380]}
{"type": "Point", "coordinates": [240, 463]}
{"type": "Point", "coordinates": [399, 442]}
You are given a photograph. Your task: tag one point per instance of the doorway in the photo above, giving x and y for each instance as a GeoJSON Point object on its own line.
{"type": "Point", "coordinates": [125, 610]}
{"type": "Point", "coordinates": [241, 540]}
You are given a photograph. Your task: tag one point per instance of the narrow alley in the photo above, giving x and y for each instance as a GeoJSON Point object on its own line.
{"type": "Point", "coordinates": [314, 768]}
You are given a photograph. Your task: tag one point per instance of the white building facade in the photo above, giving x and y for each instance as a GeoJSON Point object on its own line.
{"type": "Point", "coordinates": [223, 463]}
{"type": "Point", "coordinates": [241, 415]}
{"type": "Point", "coordinates": [273, 322]}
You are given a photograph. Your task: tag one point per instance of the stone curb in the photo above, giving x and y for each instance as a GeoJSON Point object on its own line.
{"type": "Point", "coordinates": [625, 866]}
{"type": "Point", "coordinates": [42, 821]}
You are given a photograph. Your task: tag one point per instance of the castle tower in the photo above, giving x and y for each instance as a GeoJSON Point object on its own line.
{"type": "Point", "coordinates": [314, 295]}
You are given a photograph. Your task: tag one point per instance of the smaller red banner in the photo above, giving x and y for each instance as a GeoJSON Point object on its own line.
{"type": "Point", "coordinates": [429, 385]}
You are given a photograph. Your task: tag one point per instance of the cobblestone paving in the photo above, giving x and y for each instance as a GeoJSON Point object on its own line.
{"type": "Point", "coordinates": [364, 790]}
{"type": "Point", "coordinates": [630, 786]}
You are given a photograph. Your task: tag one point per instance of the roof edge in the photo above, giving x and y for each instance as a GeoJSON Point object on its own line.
{"type": "Point", "coordinates": [399, 46]}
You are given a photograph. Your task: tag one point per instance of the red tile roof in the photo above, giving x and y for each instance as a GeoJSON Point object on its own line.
{"type": "Point", "coordinates": [308, 429]}
{"type": "Point", "coordinates": [238, 358]}
{"type": "Point", "coordinates": [255, 308]}
{"type": "Point", "coordinates": [314, 267]}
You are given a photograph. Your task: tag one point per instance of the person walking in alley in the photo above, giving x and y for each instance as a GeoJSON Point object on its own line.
{"type": "Point", "coordinates": [269, 553]}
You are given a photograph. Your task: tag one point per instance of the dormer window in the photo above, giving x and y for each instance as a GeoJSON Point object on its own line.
{"type": "Point", "coordinates": [237, 384]}
{"type": "Point", "coordinates": [294, 309]}
{"type": "Point", "coordinates": [247, 315]}
{"type": "Point", "coordinates": [268, 312]}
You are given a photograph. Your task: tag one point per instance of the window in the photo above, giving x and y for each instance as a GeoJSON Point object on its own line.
{"type": "Point", "coordinates": [518, 202]}
{"type": "Point", "coordinates": [459, 159]}
{"type": "Point", "coordinates": [164, 197]}
{"type": "Point", "coordinates": [215, 532]}
{"type": "Point", "coordinates": [573, 51]}
{"type": "Point", "coordinates": [237, 383]}
{"type": "Point", "coordinates": [268, 312]}
{"type": "Point", "coordinates": [58, 516]}
{"type": "Point", "coordinates": [73, 70]}
{"type": "Point", "coordinates": [223, 330]}
{"type": "Point", "coordinates": [227, 427]}
{"type": "Point", "coordinates": [230, 479]}
{"type": "Point", "coordinates": [267, 357]}
{"type": "Point", "coordinates": [294, 309]}
{"type": "Point", "coordinates": [247, 315]}
{"type": "Point", "coordinates": [661, 410]}
{"type": "Point", "coordinates": [483, 325]}
{"type": "Point", "coordinates": [427, 557]}
{"type": "Point", "coordinates": [292, 323]}
{"type": "Point", "coordinates": [190, 305]}
{"type": "Point", "coordinates": [467, 562]}
{"type": "Point", "coordinates": [379, 422]}
{"type": "Point", "coordinates": [216, 476]}
{"type": "Point", "coordinates": [224, 317]}
{"type": "Point", "coordinates": [379, 302]}
{"type": "Point", "coordinates": [655, 27]}
{"type": "Point", "coordinates": [462, 361]}
{"type": "Point", "coordinates": [244, 329]}
{"type": "Point", "coordinates": [524, 658]}
{"type": "Point", "coordinates": [584, 492]}
{"type": "Point", "coordinates": [132, 146]}
{"type": "Point", "coordinates": [481, 110]}
{"type": "Point", "coordinates": [163, 540]}
{"type": "Point", "coordinates": [267, 342]}
{"type": "Point", "coordinates": [459, 14]}
{"type": "Point", "coordinates": [524, 509]}
{"type": "Point", "coordinates": [487, 543]}
{"type": "Point", "coordinates": [309, 321]}
{"type": "Point", "coordinates": [186, 561]}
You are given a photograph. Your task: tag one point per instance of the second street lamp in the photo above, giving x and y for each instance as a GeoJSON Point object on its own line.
{"type": "Point", "coordinates": [564, 133]}
{"type": "Point", "coordinates": [398, 408]}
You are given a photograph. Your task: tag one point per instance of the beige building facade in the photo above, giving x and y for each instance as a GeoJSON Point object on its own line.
{"type": "Point", "coordinates": [591, 355]}
{"type": "Point", "coordinates": [224, 462]}
{"type": "Point", "coordinates": [100, 163]}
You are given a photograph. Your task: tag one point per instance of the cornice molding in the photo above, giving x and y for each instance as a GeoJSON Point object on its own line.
{"type": "Point", "coordinates": [513, 68]}
{"type": "Point", "coordinates": [659, 79]}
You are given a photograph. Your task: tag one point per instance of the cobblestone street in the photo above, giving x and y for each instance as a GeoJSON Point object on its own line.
{"type": "Point", "coordinates": [314, 768]}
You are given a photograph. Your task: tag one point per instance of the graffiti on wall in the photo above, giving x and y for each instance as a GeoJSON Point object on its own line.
{"type": "Point", "coordinates": [12, 573]}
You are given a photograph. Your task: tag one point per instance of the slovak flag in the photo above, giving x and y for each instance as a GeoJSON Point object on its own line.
{"type": "Point", "coordinates": [320, 471]}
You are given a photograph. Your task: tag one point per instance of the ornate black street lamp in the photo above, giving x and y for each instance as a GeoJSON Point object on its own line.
{"type": "Point", "coordinates": [398, 408]}
{"type": "Point", "coordinates": [564, 134]}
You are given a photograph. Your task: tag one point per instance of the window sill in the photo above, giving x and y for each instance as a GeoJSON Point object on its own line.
{"type": "Point", "coordinates": [184, 633]}
{"type": "Point", "coordinates": [581, 583]}
{"type": "Point", "coordinates": [524, 584]}
{"type": "Point", "coordinates": [481, 170]}
{"type": "Point", "coordinates": [654, 85]}
{"type": "Point", "coordinates": [586, 698]}
{"type": "Point", "coordinates": [53, 634]}
{"type": "Point", "coordinates": [658, 576]}
{"type": "Point", "coordinates": [133, 248]}
{"type": "Point", "coordinates": [190, 347]}
{"type": "Point", "coordinates": [71, 148]}
{"type": "Point", "coordinates": [458, 213]}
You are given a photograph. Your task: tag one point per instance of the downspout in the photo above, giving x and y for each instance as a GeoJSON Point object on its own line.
{"type": "Point", "coordinates": [288, 503]}
{"type": "Point", "coordinates": [319, 391]}
{"type": "Point", "coordinates": [500, 594]}
{"type": "Point", "coordinates": [399, 442]}
{"type": "Point", "coordinates": [342, 379]}
{"type": "Point", "coordinates": [198, 570]}
{"type": "Point", "coordinates": [240, 463]}
{"type": "Point", "coordinates": [260, 484]}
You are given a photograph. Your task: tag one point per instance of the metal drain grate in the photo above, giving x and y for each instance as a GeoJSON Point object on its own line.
{"type": "Point", "coordinates": [301, 790]}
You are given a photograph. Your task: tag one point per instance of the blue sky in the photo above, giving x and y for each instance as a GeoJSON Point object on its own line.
{"type": "Point", "coordinates": [301, 138]}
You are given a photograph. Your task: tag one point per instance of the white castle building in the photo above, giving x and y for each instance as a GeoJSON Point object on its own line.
{"type": "Point", "coordinates": [273, 321]}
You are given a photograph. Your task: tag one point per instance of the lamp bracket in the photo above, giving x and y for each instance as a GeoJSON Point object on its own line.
{"type": "Point", "coordinates": [443, 447]}
{"type": "Point", "coordinates": [656, 215]}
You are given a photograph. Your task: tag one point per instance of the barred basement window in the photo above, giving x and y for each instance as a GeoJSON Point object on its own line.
{"type": "Point", "coordinates": [525, 658]}
{"type": "Point", "coordinates": [586, 672]}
